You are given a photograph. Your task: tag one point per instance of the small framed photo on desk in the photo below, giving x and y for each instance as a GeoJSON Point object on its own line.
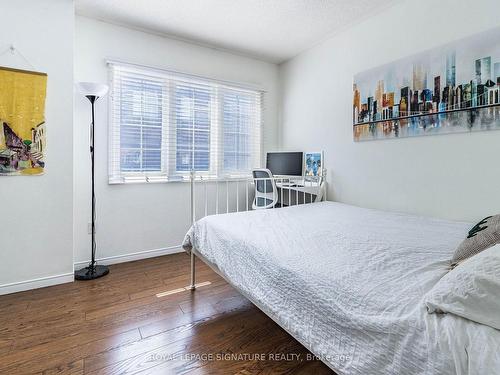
{"type": "Point", "coordinates": [313, 164]}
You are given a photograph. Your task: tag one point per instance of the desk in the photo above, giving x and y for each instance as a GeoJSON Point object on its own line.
{"type": "Point", "coordinates": [287, 191]}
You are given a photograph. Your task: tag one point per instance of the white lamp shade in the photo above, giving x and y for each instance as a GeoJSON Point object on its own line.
{"type": "Point", "coordinates": [92, 88]}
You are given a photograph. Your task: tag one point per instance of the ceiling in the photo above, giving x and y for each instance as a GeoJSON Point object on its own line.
{"type": "Point", "coordinates": [271, 30]}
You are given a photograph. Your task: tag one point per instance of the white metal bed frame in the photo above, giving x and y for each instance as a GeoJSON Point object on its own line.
{"type": "Point", "coordinates": [318, 182]}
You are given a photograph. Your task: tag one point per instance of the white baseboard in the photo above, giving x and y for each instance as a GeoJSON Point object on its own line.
{"type": "Point", "coordinates": [133, 256]}
{"type": "Point", "coordinates": [41, 282]}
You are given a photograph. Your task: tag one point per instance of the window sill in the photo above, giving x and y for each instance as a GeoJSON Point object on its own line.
{"type": "Point", "coordinates": [179, 179]}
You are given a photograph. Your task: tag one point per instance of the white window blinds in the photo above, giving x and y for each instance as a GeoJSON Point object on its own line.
{"type": "Point", "coordinates": [163, 125]}
{"type": "Point", "coordinates": [239, 113]}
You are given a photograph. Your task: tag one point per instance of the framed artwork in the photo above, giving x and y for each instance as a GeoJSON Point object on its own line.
{"type": "Point", "coordinates": [449, 89]}
{"type": "Point", "coordinates": [313, 164]}
{"type": "Point", "coordinates": [22, 122]}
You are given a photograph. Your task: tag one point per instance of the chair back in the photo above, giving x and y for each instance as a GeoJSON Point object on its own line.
{"type": "Point", "coordinates": [266, 194]}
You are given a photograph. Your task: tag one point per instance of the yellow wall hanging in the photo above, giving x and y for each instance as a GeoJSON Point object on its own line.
{"type": "Point", "coordinates": [22, 122]}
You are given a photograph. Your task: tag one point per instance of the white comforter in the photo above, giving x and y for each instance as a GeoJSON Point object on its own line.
{"type": "Point", "coordinates": [349, 283]}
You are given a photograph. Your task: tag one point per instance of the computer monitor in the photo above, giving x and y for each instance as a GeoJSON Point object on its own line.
{"type": "Point", "coordinates": [285, 163]}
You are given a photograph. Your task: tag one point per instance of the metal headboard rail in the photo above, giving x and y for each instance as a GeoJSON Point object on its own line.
{"type": "Point", "coordinates": [215, 196]}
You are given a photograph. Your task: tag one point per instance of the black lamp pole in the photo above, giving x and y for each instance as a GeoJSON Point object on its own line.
{"type": "Point", "coordinates": [93, 271]}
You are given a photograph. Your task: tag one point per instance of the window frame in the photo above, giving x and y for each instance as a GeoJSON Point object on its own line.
{"type": "Point", "coordinates": [168, 153]}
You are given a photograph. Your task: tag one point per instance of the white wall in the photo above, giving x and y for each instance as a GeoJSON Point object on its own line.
{"type": "Point", "coordinates": [36, 230]}
{"type": "Point", "coordinates": [144, 217]}
{"type": "Point", "coordinates": [451, 176]}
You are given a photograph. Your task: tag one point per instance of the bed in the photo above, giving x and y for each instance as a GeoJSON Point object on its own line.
{"type": "Point", "coordinates": [348, 283]}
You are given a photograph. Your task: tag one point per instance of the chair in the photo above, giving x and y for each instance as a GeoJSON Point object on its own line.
{"type": "Point", "coordinates": [266, 194]}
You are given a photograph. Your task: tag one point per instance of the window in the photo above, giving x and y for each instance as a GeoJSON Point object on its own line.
{"type": "Point", "coordinates": [140, 124]}
{"type": "Point", "coordinates": [163, 125]}
{"type": "Point", "coordinates": [192, 119]}
{"type": "Point", "coordinates": [237, 115]}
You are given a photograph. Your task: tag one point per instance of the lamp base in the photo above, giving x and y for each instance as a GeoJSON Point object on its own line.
{"type": "Point", "coordinates": [91, 273]}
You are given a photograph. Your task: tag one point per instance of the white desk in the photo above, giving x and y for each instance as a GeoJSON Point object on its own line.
{"type": "Point", "coordinates": [301, 188]}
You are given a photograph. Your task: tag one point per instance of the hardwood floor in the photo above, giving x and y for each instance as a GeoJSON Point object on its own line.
{"type": "Point", "coordinates": [117, 325]}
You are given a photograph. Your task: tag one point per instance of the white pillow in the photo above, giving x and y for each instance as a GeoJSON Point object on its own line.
{"type": "Point", "coordinates": [471, 290]}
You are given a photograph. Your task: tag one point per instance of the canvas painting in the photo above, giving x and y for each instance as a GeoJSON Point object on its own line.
{"type": "Point", "coordinates": [453, 88]}
{"type": "Point", "coordinates": [22, 122]}
{"type": "Point", "coordinates": [313, 164]}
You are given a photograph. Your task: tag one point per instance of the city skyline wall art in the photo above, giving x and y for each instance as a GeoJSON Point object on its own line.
{"type": "Point", "coordinates": [449, 89]}
{"type": "Point", "coordinates": [22, 122]}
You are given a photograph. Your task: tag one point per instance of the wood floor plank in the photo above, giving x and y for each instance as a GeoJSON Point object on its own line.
{"type": "Point", "coordinates": [72, 368]}
{"type": "Point", "coordinates": [13, 307]}
{"type": "Point", "coordinates": [155, 339]}
{"type": "Point", "coordinates": [118, 325]}
{"type": "Point", "coordinates": [5, 346]}
{"type": "Point", "coordinates": [18, 297]}
{"type": "Point", "coordinates": [40, 358]}
{"type": "Point", "coordinates": [192, 344]}
{"type": "Point", "coordinates": [244, 340]}
{"type": "Point", "coordinates": [73, 356]}
{"type": "Point", "coordinates": [109, 324]}
{"type": "Point", "coordinates": [26, 325]}
{"type": "Point", "coordinates": [144, 345]}
{"type": "Point", "coordinates": [149, 302]}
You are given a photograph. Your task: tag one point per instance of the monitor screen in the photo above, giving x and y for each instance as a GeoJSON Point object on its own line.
{"type": "Point", "coordinates": [285, 163]}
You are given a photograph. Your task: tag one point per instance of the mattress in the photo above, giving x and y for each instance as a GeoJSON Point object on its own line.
{"type": "Point", "coordinates": [349, 282]}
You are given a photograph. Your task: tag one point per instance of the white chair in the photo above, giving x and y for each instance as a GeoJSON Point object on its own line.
{"type": "Point", "coordinates": [266, 194]}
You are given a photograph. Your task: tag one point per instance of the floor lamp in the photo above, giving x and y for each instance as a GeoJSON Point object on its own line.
{"type": "Point", "coordinates": [92, 91]}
